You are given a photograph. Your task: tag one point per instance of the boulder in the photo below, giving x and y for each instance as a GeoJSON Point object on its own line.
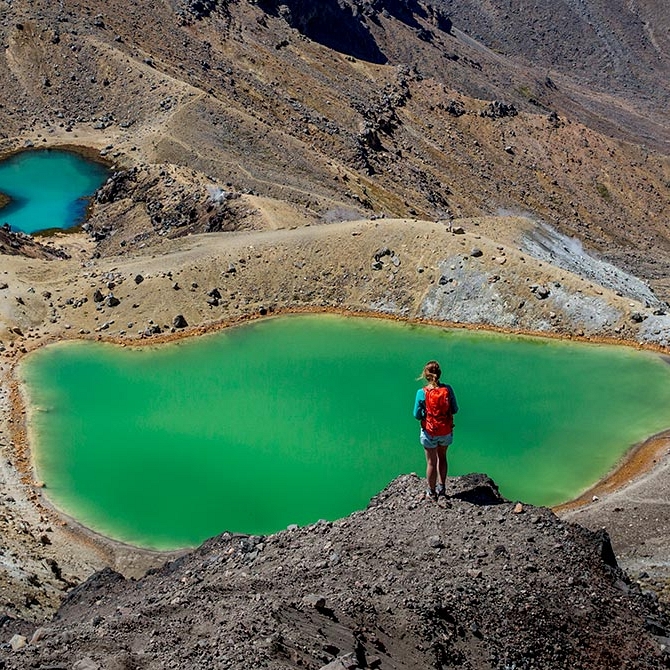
{"type": "Point", "coordinates": [179, 321]}
{"type": "Point", "coordinates": [346, 662]}
{"type": "Point", "coordinates": [478, 489]}
{"type": "Point", "coordinates": [18, 642]}
{"type": "Point", "coordinates": [383, 251]}
{"type": "Point", "coordinates": [316, 601]}
{"type": "Point", "coordinates": [541, 292]}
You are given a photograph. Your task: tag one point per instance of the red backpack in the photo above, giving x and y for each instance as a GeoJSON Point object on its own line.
{"type": "Point", "coordinates": [439, 419]}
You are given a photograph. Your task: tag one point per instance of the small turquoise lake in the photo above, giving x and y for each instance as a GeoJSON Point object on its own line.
{"type": "Point", "coordinates": [48, 188]}
{"type": "Point", "coordinates": [294, 419]}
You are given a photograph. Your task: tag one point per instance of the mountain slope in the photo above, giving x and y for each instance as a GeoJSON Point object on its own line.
{"type": "Point", "coordinates": [454, 114]}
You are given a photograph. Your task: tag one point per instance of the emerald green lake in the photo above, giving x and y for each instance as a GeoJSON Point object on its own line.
{"type": "Point", "coordinates": [294, 419]}
{"type": "Point", "coordinates": [48, 189]}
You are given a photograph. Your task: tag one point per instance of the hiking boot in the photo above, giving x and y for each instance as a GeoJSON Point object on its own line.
{"type": "Point", "coordinates": [431, 495]}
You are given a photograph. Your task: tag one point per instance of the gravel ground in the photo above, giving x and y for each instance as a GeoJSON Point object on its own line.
{"type": "Point", "coordinates": [472, 581]}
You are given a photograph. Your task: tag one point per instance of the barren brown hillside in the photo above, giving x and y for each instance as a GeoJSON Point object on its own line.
{"type": "Point", "coordinates": [443, 111]}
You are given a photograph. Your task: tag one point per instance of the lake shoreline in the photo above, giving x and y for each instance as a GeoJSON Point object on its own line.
{"type": "Point", "coordinates": [638, 461]}
{"type": "Point", "coordinates": [88, 152]}
{"type": "Point", "coordinates": [195, 331]}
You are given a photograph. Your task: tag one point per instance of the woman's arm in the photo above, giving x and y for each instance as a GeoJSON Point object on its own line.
{"type": "Point", "coordinates": [420, 405]}
{"type": "Point", "coordinates": [453, 403]}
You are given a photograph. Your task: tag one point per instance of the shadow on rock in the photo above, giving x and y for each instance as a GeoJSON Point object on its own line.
{"type": "Point", "coordinates": [329, 23]}
{"type": "Point", "coordinates": [477, 489]}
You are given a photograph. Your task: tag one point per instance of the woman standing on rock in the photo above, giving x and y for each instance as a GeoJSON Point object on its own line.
{"type": "Point", "coordinates": [435, 406]}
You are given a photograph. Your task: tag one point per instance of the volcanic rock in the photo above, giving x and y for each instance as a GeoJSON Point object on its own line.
{"type": "Point", "coordinates": [415, 584]}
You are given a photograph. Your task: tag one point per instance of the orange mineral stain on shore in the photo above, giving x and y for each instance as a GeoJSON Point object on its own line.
{"type": "Point", "coordinates": [640, 460]}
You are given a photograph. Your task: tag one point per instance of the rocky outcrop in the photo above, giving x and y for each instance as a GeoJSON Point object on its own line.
{"type": "Point", "coordinates": [174, 205]}
{"type": "Point", "coordinates": [499, 110]}
{"type": "Point", "coordinates": [200, 9]}
{"type": "Point", "coordinates": [475, 581]}
{"type": "Point", "coordinates": [19, 244]}
{"type": "Point", "coordinates": [334, 24]}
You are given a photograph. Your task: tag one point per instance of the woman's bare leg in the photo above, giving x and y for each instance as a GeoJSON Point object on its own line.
{"type": "Point", "coordinates": [431, 467]}
{"type": "Point", "coordinates": [441, 458]}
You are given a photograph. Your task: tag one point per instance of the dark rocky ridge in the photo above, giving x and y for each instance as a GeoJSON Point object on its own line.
{"type": "Point", "coordinates": [478, 582]}
{"type": "Point", "coordinates": [614, 47]}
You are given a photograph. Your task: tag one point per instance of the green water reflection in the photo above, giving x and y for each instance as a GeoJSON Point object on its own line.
{"type": "Point", "coordinates": [294, 419]}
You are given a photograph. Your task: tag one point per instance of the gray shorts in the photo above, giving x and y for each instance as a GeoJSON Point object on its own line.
{"type": "Point", "coordinates": [432, 441]}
